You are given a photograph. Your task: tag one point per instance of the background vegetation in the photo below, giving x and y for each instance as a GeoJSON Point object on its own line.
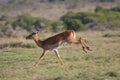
{"type": "Point", "coordinates": [96, 21]}
{"type": "Point", "coordinates": [101, 19]}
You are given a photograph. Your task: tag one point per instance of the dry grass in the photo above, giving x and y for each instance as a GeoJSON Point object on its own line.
{"type": "Point", "coordinates": [100, 64]}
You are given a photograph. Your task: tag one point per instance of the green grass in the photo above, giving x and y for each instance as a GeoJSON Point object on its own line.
{"type": "Point", "coordinates": [103, 63]}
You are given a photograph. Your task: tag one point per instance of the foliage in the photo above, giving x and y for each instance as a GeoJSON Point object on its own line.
{"type": "Point", "coordinates": [98, 9]}
{"type": "Point", "coordinates": [17, 1]}
{"type": "Point", "coordinates": [72, 22]}
{"type": "Point", "coordinates": [85, 17]}
{"type": "Point", "coordinates": [24, 21]}
{"type": "Point", "coordinates": [101, 19]}
{"type": "Point", "coordinates": [106, 0]}
{"type": "Point", "coordinates": [116, 9]}
{"type": "Point", "coordinates": [27, 22]}
{"type": "Point", "coordinates": [12, 1]}
{"type": "Point", "coordinates": [57, 26]}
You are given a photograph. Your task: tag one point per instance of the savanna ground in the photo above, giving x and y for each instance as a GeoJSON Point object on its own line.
{"type": "Point", "coordinates": [103, 63]}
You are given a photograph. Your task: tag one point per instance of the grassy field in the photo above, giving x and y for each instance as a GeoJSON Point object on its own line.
{"type": "Point", "coordinates": [103, 63]}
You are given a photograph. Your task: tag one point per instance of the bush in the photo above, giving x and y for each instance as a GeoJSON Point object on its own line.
{"type": "Point", "coordinates": [72, 21]}
{"type": "Point", "coordinates": [57, 26]}
{"type": "Point", "coordinates": [75, 24]}
{"type": "Point", "coordinates": [116, 9]}
{"type": "Point", "coordinates": [98, 9]}
{"type": "Point", "coordinates": [101, 19]}
{"type": "Point", "coordinates": [26, 22]}
{"type": "Point", "coordinates": [84, 17]}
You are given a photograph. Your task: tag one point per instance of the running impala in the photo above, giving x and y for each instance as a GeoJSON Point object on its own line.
{"type": "Point", "coordinates": [55, 42]}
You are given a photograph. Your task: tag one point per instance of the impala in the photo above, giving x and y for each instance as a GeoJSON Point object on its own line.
{"type": "Point", "coordinates": [55, 42]}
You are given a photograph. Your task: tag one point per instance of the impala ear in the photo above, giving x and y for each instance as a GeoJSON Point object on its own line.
{"type": "Point", "coordinates": [36, 32]}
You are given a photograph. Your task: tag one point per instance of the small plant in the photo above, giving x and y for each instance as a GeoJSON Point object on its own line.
{"type": "Point", "coordinates": [98, 9]}
{"type": "Point", "coordinates": [111, 74]}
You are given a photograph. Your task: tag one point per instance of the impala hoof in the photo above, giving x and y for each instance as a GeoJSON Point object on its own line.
{"type": "Point", "coordinates": [88, 49]}
{"type": "Point", "coordinates": [35, 65]}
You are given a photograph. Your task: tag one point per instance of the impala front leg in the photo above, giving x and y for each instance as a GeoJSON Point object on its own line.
{"type": "Point", "coordinates": [58, 56]}
{"type": "Point", "coordinates": [44, 52]}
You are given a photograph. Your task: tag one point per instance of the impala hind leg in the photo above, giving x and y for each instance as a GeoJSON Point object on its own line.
{"type": "Point", "coordinates": [84, 45]}
{"type": "Point", "coordinates": [58, 56]}
{"type": "Point", "coordinates": [36, 63]}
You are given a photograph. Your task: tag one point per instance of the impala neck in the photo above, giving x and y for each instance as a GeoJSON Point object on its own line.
{"type": "Point", "coordinates": [38, 41]}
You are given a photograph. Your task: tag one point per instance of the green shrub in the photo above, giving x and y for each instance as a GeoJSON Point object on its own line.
{"type": "Point", "coordinates": [101, 19]}
{"type": "Point", "coordinates": [57, 26]}
{"type": "Point", "coordinates": [99, 9]}
{"type": "Point", "coordinates": [116, 9]}
{"type": "Point", "coordinates": [67, 16]}
{"type": "Point", "coordinates": [85, 17]}
{"type": "Point", "coordinates": [74, 24]}
{"type": "Point", "coordinates": [26, 22]}
{"type": "Point", "coordinates": [72, 21]}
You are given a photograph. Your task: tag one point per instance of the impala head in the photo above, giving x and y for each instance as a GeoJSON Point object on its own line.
{"type": "Point", "coordinates": [33, 35]}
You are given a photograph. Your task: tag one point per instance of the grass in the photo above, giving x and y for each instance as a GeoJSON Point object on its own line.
{"type": "Point", "coordinates": [103, 63]}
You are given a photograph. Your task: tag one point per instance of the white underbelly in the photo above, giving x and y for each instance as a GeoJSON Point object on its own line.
{"type": "Point", "coordinates": [56, 46]}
